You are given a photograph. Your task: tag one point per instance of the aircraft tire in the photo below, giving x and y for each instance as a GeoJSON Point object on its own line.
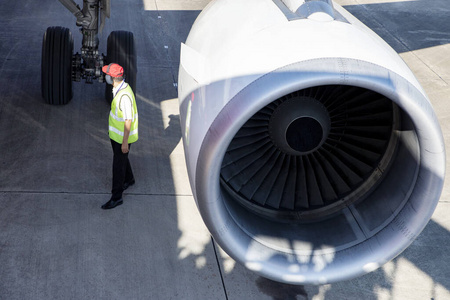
{"type": "Point", "coordinates": [121, 50]}
{"type": "Point", "coordinates": [56, 66]}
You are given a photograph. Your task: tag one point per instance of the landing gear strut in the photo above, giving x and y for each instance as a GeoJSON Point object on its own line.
{"type": "Point", "coordinates": [59, 66]}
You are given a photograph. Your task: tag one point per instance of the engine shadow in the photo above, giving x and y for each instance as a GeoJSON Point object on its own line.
{"type": "Point", "coordinates": [281, 291]}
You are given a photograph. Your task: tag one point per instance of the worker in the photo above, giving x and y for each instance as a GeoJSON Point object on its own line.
{"type": "Point", "coordinates": [123, 131]}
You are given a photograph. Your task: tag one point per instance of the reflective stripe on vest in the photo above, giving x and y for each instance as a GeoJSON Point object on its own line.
{"type": "Point", "coordinates": [116, 120]}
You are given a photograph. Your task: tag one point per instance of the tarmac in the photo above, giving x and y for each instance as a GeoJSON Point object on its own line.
{"type": "Point", "coordinates": [56, 242]}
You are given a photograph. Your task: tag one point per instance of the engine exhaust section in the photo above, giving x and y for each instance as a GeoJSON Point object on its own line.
{"type": "Point", "coordinates": [313, 153]}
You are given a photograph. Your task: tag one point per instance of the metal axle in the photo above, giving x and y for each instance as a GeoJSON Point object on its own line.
{"type": "Point", "coordinates": [89, 63]}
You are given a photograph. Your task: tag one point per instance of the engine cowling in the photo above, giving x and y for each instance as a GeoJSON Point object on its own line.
{"type": "Point", "coordinates": [313, 153]}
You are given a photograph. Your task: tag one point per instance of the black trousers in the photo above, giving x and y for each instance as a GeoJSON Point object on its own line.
{"type": "Point", "coordinates": [121, 170]}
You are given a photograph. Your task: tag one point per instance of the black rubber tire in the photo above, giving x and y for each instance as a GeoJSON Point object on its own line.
{"type": "Point", "coordinates": [121, 50]}
{"type": "Point", "coordinates": [56, 66]}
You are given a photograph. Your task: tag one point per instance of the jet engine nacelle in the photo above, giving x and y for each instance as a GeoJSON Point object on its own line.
{"type": "Point", "coordinates": [313, 153]}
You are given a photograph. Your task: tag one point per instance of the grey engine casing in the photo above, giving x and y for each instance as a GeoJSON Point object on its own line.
{"type": "Point", "coordinates": [313, 153]}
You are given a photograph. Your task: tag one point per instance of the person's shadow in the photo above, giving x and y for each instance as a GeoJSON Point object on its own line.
{"type": "Point", "coordinates": [172, 133]}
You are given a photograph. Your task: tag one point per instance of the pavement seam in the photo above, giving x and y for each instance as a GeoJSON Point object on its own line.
{"type": "Point", "coordinates": [220, 269]}
{"type": "Point", "coordinates": [90, 193]}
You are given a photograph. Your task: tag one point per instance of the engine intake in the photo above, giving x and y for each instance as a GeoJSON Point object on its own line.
{"type": "Point", "coordinates": [309, 163]}
{"type": "Point", "coordinates": [306, 153]}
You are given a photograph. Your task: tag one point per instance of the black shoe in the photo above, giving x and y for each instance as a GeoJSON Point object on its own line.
{"type": "Point", "coordinates": [112, 203]}
{"type": "Point", "coordinates": [128, 184]}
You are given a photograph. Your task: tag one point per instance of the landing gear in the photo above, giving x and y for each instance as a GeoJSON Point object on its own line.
{"type": "Point", "coordinates": [60, 66]}
{"type": "Point", "coordinates": [56, 67]}
{"type": "Point", "coordinates": [121, 50]}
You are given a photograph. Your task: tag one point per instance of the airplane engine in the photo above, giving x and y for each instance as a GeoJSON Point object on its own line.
{"type": "Point", "coordinates": [313, 154]}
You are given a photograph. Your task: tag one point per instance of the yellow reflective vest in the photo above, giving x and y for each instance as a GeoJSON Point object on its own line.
{"type": "Point", "coordinates": [116, 120]}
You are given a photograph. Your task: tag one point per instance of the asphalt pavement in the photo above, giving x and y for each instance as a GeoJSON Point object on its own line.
{"type": "Point", "coordinates": [56, 242]}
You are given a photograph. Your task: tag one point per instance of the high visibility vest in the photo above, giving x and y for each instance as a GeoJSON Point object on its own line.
{"type": "Point", "coordinates": [116, 120]}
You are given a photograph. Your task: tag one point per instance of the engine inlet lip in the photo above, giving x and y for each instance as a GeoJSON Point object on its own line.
{"type": "Point", "coordinates": [349, 261]}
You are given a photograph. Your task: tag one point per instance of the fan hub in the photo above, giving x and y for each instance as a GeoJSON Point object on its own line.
{"type": "Point", "coordinates": [299, 125]}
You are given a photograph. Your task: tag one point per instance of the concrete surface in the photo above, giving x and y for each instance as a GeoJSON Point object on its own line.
{"type": "Point", "coordinates": [56, 242]}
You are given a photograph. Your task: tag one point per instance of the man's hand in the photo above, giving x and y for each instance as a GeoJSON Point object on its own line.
{"type": "Point", "coordinates": [126, 133]}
